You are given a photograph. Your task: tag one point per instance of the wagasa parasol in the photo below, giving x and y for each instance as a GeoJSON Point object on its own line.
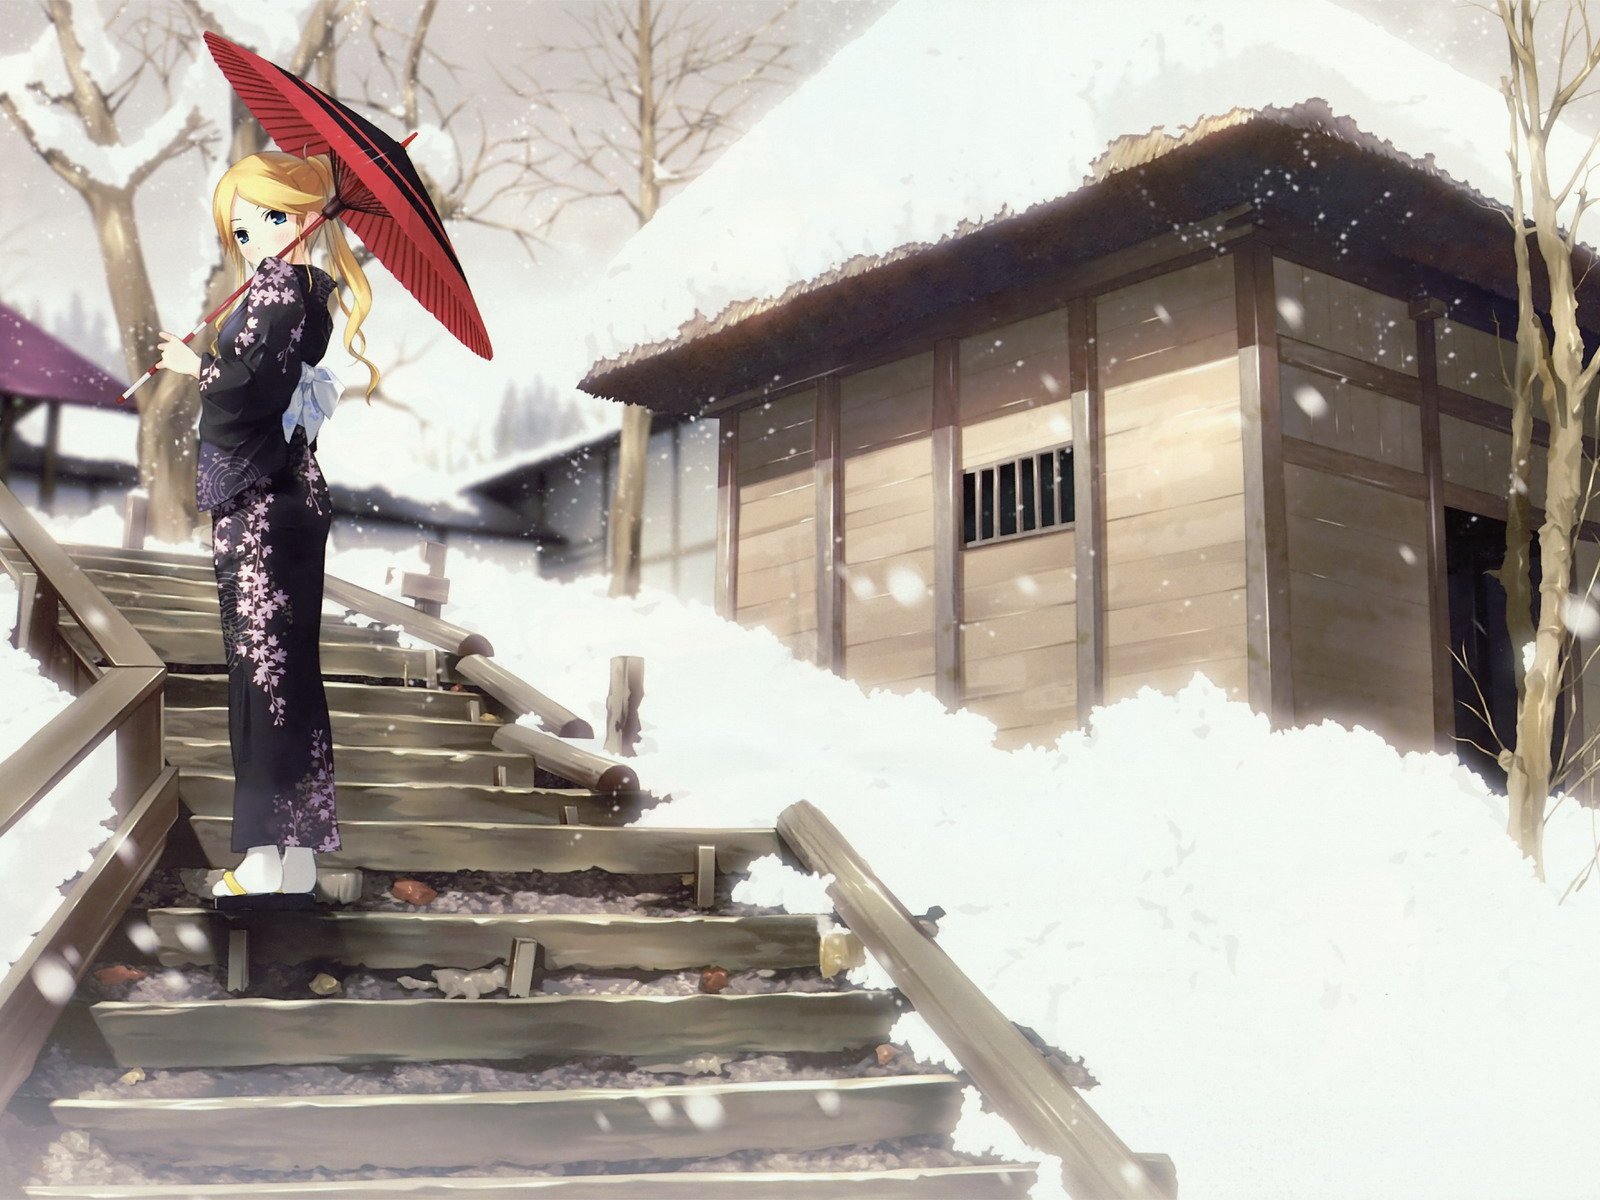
{"type": "Point", "coordinates": [377, 191]}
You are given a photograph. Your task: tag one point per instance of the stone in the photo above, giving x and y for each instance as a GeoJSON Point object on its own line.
{"type": "Point", "coordinates": [412, 891]}
{"type": "Point", "coordinates": [887, 1054]}
{"type": "Point", "coordinates": [325, 984]}
{"type": "Point", "coordinates": [120, 973]}
{"type": "Point", "coordinates": [713, 979]}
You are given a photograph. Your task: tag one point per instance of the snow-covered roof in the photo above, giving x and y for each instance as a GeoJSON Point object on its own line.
{"type": "Point", "coordinates": [548, 452]}
{"type": "Point", "coordinates": [950, 115]}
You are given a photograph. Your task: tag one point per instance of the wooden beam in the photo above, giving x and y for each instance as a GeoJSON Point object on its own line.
{"type": "Point", "coordinates": [727, 598]}
{"type": "Point", "coordinates": [1265, 522]}
{"type": "Point", "coordinates": [1352, 466]}
{"type": "Point", "coordinates": [828, 481]}
{"type": "Point", "coordinates": [1089, 503]}
{"type": "Point", "coordinates": [52, 453]}
{"type": "Point", "coordinates": [1425, 311]}
{"type": "Point", "coordinates": [948, 582]}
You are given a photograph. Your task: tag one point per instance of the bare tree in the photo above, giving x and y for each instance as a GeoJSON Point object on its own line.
{"type": "Point", "coordinates": [107, 183]}
{"type": "Point", "coordinates": [651, 104]}
{"type": "Point", "coordinates": [1549, 370]}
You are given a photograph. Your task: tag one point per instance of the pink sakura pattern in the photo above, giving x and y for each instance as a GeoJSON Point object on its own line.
{"type": "Point", "coordinates": [273, 285]}
{"type": "Point", "coordinates": [311, 476]}
{"type": "Point", "coordinates": [257, 601]}
{"type": "Point", "coordinates": [306, 817]}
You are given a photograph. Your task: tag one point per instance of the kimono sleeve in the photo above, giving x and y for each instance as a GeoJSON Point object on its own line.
{"type": "Point", "coordinates": [263, 357]}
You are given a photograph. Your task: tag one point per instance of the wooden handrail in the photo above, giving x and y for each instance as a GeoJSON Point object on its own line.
{"type": "Point", "coordinates": [522, 697]}
{"type": "Point", "coordinates": [584, 767]}
{"type": "Point", "coordinates": [1006, 1067]}
{"type": "Point", "coordinates": [122, 698]}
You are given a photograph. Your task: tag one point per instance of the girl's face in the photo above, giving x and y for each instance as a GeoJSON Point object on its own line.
{"type": "Point", "coordinates": [260, 231]}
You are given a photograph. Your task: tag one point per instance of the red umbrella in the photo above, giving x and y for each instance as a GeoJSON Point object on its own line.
{"type": "Point", "coordinates": [377, 191]}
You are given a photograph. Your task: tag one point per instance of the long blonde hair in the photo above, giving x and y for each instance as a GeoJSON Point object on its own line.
{"type": "Point", "coordinates": [300, 187]}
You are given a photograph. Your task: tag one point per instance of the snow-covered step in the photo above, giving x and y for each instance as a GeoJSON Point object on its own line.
{"type": "Point", "coordinates": [353, 729]}
{"type": "Point", "coordinates": [140, 591]}
{"type": "Point", "coordinates": [374, 764]}
{"type": "Point", "coordinates": [410, 940]}
{"type": "Point", "coordinates": [252, 1031]}
{"type": "Point", "coordinates": [210, 794]}
{"type": "Point", "coordinates": [531, 1128]}
{"type": "Point", "coordinates": [1001, 1182]}
{"type": "Point", "coordinates": [152, 563]}
{"type": "Point", "coordinates": [492, 846]}
{"type": "Point", "coordinates": [188, 689]}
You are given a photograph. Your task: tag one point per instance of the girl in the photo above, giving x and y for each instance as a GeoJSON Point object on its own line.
{"type": "Point", "coordinates": [262, 401]}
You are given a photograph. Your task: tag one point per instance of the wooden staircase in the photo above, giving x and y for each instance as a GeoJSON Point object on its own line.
{"type": "Point", "coordinates": [423, 791]}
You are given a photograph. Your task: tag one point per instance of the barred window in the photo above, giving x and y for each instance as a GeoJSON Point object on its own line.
{"type": "Point", "coordinates": [1025, 495]}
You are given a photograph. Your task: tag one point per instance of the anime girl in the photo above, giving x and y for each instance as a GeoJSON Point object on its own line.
{"type": "Point", "coordinates": [262, 401]}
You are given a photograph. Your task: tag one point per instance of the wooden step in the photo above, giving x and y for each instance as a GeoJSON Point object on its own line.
{"type": "Point", "coordinates": [353, 729]}
{"type": "Point", "coordinates": [202, 690]}
{"type": "Point", "coordinates": [413, 940]}
{"type": "Point", "coordinates": [1004, 1182]}
{"type": "Point", "coordinates": [155, 564]}
{"type": "Point", "coordinates": [210, 794]}
{"type": "Point", "coordinates": [149, 592]}
{"type": "Point", "coordinates": [185, 650]}
{"type": "Point", "coordinates": [375, 764]}
{"type": "Point", "coordinates": [163, 620]}
{"type": "Point", "coordinates": [255, 1032]}
{"type": "Point", "coordinates": [530, 1128]}
{"type": "Point", "coordinates": [495, 846]}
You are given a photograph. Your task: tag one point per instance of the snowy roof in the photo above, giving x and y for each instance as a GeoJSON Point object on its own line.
{"type": "Point", "coordinates": [948, 116]}
{"type": "Point", "coordinates": [513, 463]}
{"type": "Point", "coordinates": [38, 365]}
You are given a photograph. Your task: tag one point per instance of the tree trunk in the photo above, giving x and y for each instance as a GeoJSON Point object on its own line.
{"type": "Point", "coordinates": [627, 501]}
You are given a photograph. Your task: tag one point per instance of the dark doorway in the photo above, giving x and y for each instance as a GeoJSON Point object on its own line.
{"type": "Point", "coordinates": [1475, 544]}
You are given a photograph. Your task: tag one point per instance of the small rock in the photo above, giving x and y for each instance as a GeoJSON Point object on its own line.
{"type": "Point", "coordinates": [412, 891]}
{"type": "Point", "coordinates": [120, 973]}
{"type": "Point", "coordinates": [700, 1064]}
{"type": "Point", "coordinates": [324, 984]}
{"type": "Point", "coordinates": [132, 1075]}
{"type": "Point", "coordinates": [649, 897]}
{"type": "Point", "coordinates": [686, 879]}
{"type": "Point", "coordinates": [409, 981]}
{"type": "Point", "coordinates": [766, 972]}
{"type": "Point", "coordinates": [453, 981]}
{"type": "Point", "coordinates": [887, 1054]}
{"type": "Point", "coordinates": [713, 979]}
{"type": "Point", "coordinates": [490, 718]}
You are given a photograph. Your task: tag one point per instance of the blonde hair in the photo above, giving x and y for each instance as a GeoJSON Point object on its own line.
{"type": "Point", "coordinates": [300, 187]}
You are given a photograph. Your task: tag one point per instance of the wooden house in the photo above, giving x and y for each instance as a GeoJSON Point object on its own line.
{"type": "Point", "coordinates": [1167, 422]}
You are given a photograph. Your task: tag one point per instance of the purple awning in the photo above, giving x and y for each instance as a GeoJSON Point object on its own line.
{"type": "Point", "coordinates": [36, 365]}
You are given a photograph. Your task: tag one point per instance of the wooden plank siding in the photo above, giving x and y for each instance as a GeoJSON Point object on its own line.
{"type": "Point", "coordinates": [1339, 315]}
{"type": "Point", "coordinates": [775, 568]}
{"type": "Point", "coordinates": [887, 559]}
{"type": "Point", "coordinates": [1167, 360]}
{"type": "Point", "coordinates": [1019, 596]}
{"type": "Point", "coordinates": [1359, 607]}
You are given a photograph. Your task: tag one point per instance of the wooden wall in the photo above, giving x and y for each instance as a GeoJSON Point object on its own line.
{"type": "Point", "coordinates": [1358, 607]}
{"type": "Point", "coordinates": [1175, 585]}
{"type": "Point", "coordinates": [1018, 641]}
{"type": "Point", "coordinates": [777, 582]}
{"type": "Point", "coordinates": [885, 447]}
{"type": "Point", "coordinates": [1360, 631]}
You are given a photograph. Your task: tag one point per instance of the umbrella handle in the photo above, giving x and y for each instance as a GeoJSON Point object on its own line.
{"type": "Point", "coordinates": [210, 316]}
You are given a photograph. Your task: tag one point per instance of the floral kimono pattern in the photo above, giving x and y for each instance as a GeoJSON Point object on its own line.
{"type": "Point", "coordinates": [269, 546]}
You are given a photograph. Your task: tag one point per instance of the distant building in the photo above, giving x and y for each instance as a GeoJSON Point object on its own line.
{"type": "Point", "coordinates": [1169, 419]}
{"type": "Point", "coordinates": [562, 492]}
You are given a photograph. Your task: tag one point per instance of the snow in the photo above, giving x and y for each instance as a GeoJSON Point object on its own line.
{"type": "Point", "coordinates": [270, 30]}
{"type": "Point", "coordinates": [1299, 962]}
{"type": "Point", "coordinates": [1000, 107]}
{"type": "Point", "coordinates": [56, 129]}
{"type": "Point", "coordinates": [59, 836]}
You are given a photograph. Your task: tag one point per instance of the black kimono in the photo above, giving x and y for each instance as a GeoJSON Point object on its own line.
{"type": "Point", "coordinates": [271, 515]}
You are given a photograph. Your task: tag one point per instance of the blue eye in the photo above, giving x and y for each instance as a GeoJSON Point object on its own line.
{"type": "Point", "coordinates": [242, 236]}
{"type": "Point", "coordinates": [276, 217]}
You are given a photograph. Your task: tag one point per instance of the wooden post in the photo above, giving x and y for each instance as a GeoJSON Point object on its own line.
{"type": "Point", "coordinates": [727, 598]}
{"type": "Point", "coordinates": [828, 479]}
{"type": "Point", "coordinates": [949, 685]}
{"type": "Point", "coordinates": [1425, 310]}
{"type": "Point", "coordinates": [135, 518]}
{"type": "Point", "coordinates": [426, 592]}
{"type": "Point", "coordinates": [52, 450]}
{"type": "Point", "coordinates": [1089, 504]}
{"type": "Point", "coordinates": [8, 419]}
{"type": "Point", "coordinates": [1266, 534]}
{"type": "Point", "coordinates": [622, 704]}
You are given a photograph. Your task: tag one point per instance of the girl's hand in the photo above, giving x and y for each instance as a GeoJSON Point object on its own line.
{"type": "Point", "coordinates": [177, 356]}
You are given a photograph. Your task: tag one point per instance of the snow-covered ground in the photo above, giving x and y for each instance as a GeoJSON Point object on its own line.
{"type": "Point", "coordinates": [60, 835]}
{"type": "Point", "coordinates": [1300, 963]}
